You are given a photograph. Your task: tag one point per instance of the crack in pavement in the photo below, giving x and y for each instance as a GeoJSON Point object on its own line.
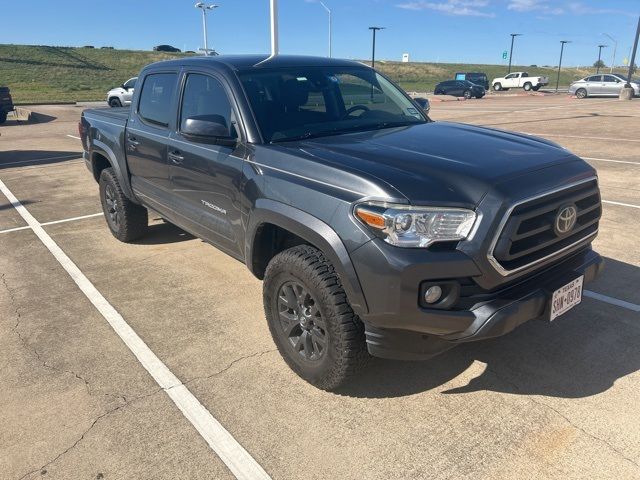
{"type": "Point", "coordinates": [565, 418]}
{"type": "Point", "coordinates": [42, 469]}
{"type": "Point", "coordinates": [34, 350]}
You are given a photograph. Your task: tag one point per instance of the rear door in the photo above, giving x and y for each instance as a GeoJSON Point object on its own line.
{"type": "Point", "coordinates": [147, 134]}
{"type": "Point", "coordinates": [594, 85]}
{"type": "Point", "coordinates": [206, 178]}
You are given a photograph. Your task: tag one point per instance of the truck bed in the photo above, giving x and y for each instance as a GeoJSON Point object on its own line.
{"type": "Point", "coordinates": [113, 115]}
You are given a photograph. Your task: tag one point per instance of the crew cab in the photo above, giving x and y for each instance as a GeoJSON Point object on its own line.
{"type": "Point", "coordinates": [519, 80]}
{"type": "Point", "coordinates": [121, 96]}
{"type": "Point", "coordinates": [376, 230]}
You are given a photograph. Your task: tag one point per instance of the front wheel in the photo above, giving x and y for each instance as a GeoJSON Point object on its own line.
{"type": "Point", "coordinates": [497, 86]}
{"type": "Point", "coordinates": [310, 319]}
{"type": "Point", "coordinates": [114, 102]}
{"type": "Point", "coordinates": [126, 220]}
{"type": "Point", "coordinates": [467, 94]}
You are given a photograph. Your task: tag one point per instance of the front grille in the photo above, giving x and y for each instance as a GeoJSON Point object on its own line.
{"type": "Point", "coordinates": [528, 236]}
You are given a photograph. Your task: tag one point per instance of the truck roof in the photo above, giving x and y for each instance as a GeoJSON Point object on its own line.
{"type": "Point", "coordinates": [244, 62]}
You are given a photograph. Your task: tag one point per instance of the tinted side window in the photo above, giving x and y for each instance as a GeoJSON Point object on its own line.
{"type": "Point", "coordinates": [130, 83]}
{"type": "Point", "coordinates": [205, 98]}
{"type": "Point", "coordinates": [155, 98]}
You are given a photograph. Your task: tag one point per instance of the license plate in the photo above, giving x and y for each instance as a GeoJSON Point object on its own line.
{"type": "Point", "coordinates": [567, 297]}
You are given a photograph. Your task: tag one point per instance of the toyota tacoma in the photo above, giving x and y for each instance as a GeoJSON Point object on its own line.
{"type": "Point", "coordinates": [376, 230]}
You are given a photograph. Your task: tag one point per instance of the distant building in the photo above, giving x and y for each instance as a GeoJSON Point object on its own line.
{"type": "Point", "coordinates": [405, 58]}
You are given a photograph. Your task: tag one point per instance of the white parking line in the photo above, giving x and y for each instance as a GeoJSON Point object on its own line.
{"type": "Point", "coordinates": [621, 204]}
{"type": "Point", "coordinates": [561, 135]}
{"type": "Point", "coordinates": [55, 222]}
{"type": "Point", "coordinates": [613, 301]}
{"type": "Point", "coordinates": [73, 136]}
{"type": "Point", "coordinates": [235, 457]}
{"type": "Point", "coordinates": [611, 160]}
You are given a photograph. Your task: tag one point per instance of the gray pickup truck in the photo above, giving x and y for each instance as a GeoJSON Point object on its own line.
{"type": "Point", "coordinates": [376, 230]}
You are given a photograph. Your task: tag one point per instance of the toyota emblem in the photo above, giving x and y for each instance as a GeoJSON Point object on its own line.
{"type": "Point", "coordinates": [566, 220]}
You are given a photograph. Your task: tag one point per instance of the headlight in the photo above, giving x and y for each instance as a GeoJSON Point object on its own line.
{"type": "Point", "coordinates": [411, 227]}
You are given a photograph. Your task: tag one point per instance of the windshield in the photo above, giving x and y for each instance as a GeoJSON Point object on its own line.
{"type": "Point", "coordinates": [306, 102]}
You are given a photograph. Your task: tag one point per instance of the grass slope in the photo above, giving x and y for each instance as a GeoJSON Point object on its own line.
{"type": "Point", "coordinates": [42, 74]}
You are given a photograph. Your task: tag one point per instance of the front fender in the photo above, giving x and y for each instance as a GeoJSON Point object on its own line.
{"type": "Point", "coordinates": [317, 233]}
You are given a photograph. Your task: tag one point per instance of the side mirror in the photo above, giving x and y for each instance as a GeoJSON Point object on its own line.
{"type": "Point", "coordinates": [424, 104]}
{"type": "Point", "coordinates": [208, 129]}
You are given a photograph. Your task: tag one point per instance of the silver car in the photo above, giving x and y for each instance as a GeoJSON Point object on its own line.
{"type": "Point", "coordinates": [604, 85]}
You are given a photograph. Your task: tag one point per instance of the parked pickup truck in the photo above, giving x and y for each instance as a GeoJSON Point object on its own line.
{"type": "Point", "coordinates": [376, 230]}
{"type": "Point", "coordinates": [121, 96]}
{"type": "Point", "coordinates": [519, 80]}
{"type": "Point", "coordinates": [6, 103]}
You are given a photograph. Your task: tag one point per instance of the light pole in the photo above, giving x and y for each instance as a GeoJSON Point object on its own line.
{"type": "Point", "coordinates": [373, 53]}
{"type": "Point", "coordinates": [615, 47]}
{"type": "Point", "coordinates": [600, 47]}
{"type": "Point", "coordinates": [204, 7]}
{"type": "Point", "coordinates": [633, 57]}
{"type": "Point", "coordinates": [513, 36]}
{"type": "Point", "coordinates": [562, 42]}
{"type": "Point", "coordinates": [330, 25]}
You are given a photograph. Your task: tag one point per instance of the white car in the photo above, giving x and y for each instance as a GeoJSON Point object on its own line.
{"type": "Point", "coordinates": [601, 86]}
{"type": "Point", "coordinates": [121, 96]}
{"type": "Point", "coordinates": [519, 80]}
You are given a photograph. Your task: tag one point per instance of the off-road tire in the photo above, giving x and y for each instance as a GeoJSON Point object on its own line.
{"type": "Point", "coordinates": [527, 87]}
{"type": "Point", "coordinates": [115, 102]}
{"type": "Point", "coordinates": [497, 86]}
{"type": "Point", "coordinates": [467, 94]}
{"type": "Point", "coordinates": [132, 219]}
{"type": "Point", "coordinates": [536, 88]}
{"type": "Point", "coordinates": [581, 93]}
{"type": "Point", "coordinates": [345, 353]}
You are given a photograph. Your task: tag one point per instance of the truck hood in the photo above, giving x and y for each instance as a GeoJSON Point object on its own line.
{"type": "Point", "coordinates": [438, 162]}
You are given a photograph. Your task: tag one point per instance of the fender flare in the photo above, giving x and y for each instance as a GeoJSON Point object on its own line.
{"type": "Point", "coordinates": [103, 149]}
{"type": "Point", "coordinates": [316, 232]}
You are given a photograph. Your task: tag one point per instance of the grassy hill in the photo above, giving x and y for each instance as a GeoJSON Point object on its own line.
{"type": "Point", "coordinates": [42, 74]}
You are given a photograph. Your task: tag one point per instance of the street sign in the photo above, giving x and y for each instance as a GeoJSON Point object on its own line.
{"type": "Point", "coordinates": [504, 55]}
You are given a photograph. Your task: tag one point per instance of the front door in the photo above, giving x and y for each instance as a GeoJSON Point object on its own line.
{"type": "Point", "coordinates": [594, 85]}
{"type": "Point", "coordinates": [206, 178]}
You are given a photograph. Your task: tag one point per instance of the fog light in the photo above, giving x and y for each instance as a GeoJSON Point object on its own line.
{"type": "Point", "coordinates": [433, 294]}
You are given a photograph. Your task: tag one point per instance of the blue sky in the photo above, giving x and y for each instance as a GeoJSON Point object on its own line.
{"type": "Point", "coordinates": [429, 30]}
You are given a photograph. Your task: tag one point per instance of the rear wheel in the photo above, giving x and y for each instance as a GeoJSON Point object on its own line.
{"type": "Point", "coordinates": [581, 93]}
{"type": "Point", "coordinates": [527, 87]}
{"type": "Point", "coordinates": [126, 220]}
{"type": "Point", "coordinates": [3, 117]}
{"type": "Point", "coordinates": [114, 102]}
{"type": "Point", "coordinates": [310, 319]}
{"type": "Point", "coordinates": [467, 94]}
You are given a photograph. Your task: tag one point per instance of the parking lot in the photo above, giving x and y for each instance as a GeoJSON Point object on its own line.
{"type": "Point", "coordinates": [84, 397]}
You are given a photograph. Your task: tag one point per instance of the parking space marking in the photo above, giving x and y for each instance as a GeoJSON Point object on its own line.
{"type": "Point", "coordinates": [621, 204]}
{"type": "Point", "coordinates": [613, 301]}
{"type": "Point", "coordinates": [17, 229]}
{"type": "Point", "coordinates": [73, 136]}
{"type": "Point", "coordinates": [606, 139]}
{"type": "Point", "coordinates": [611, 160]}
{"type": "Point", "coordinates": [234, 456]}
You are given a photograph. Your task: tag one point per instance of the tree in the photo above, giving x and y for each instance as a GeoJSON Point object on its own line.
{"type": "Point", "coordinates": [598, 64]}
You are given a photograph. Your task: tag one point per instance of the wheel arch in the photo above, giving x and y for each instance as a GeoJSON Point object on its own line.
{"type": "Point", "coordinates": [102, 157]}
{"type": "Point", "coordinates": [270, 218]}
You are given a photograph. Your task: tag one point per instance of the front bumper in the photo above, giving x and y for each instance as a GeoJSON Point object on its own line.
{"type": "Point", "coordinates": [413, 332]}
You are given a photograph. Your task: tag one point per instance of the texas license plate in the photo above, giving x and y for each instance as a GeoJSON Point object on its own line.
{"type": "Point", "coordinates": [567, 297]}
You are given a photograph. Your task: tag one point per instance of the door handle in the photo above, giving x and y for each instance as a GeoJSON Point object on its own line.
{"type": "Point", "coordinates": [132, 143]}
{"type": "Point", "coordinates": [176, 158]}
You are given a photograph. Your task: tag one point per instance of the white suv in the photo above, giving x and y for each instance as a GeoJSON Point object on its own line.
{"type": "Point", "coordinates": [122, 95]}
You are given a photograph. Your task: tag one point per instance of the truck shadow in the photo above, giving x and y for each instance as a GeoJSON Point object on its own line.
{"type": "Point", "coordinates": [581, 354]}
{"type": "Point", "coordinates": [25, 158]}
{"type": "Point", "coordinates": [36, 117]}
{"type": "Point", "coordinates": [163, 233]}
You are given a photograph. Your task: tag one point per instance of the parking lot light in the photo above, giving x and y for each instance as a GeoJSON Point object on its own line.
{"type": "Point", "coordinates": [330, 27]}
{"type": "Point", "coordinates": [600, 47]}
{"type": "Point", "coordinates": [373, 53]}
{"type": "Point", "coordinates": [615, 48]}
{"type": "Point", "coordinates": [204, 7]}
{"type": "Point", "coordinates": [562, 42]}
{"type": "Point", "coordinates": [513, 36]}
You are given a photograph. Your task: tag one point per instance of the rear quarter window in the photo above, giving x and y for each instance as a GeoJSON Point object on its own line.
{"type": "Point", "coordinates": [156, 98]}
